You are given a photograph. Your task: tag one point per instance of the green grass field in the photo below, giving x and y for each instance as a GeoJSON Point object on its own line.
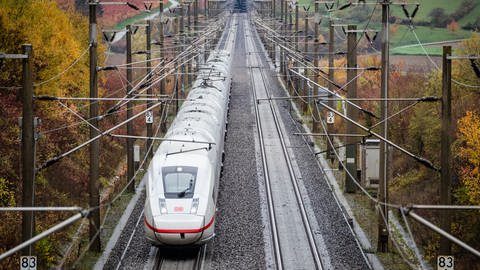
{"type": "Point", "coordinates": [426, 7]}
{"type": "Point", "coordinates": [432, 51]}
{"type": "Point", "coordinates": [306, 3]}
{"type": "Point", "coordinates": [136, 18]}
{"type": "Point", "coordinates": [404, 36]}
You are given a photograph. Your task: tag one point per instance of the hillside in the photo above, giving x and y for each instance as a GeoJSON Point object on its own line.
{"type": "Point", "coordinates": [434, 21]}
{"type": "Point", "coordinates": [110, 15]}
{"type": "Point", "coordinates": [113, 14]}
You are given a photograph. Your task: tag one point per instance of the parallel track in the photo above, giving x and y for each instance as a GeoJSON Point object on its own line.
{"type": "Point", "coordinates": [261, 85]}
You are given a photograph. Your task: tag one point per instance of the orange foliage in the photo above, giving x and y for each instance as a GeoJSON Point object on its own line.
{"type": "Point", "coordinates": [394, 28]}
{"type": "Point", "coordinates": [469, 137]}
{"type": "Point", "coordinates": [453, 26]}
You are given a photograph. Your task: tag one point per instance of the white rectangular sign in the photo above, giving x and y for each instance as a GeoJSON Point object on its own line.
{"type": "Point", "coordinates": [148, 117]}
{"type": "Point", "coordinates": [28, 263]}
{"type": "Point", "coordinates": [445, 262]}
{"type": "Point", "coordinates": [330, 117]}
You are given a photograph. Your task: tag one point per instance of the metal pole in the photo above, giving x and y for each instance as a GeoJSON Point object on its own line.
{"type": "Point", "coordinates": [195, 24]}
{"type": "Point", "coordinates": [290, 28]}
{"type": "Point", "coordinates": [315, 113]}
{"type": "Point", "coordinates": [297, 79]}
{"type": "Point", "coordinates": [443, 233]}
{"type": "Point", "coordinates": [44, 234]}
{"type": "Point", "coordinates": [285, 28]}
{"type": "Point", "coordinates": [282, 32]}
{"type": "Point", "coordinates": [28, 152]}
{"type": "Point", "coordinates": [94, 198]}
{"type": "Point", "coordinates": [296, 26]}
{"type": "Point", "coordinates": [382, 244]}
{"type": "Point", "coordinates": [444, 207]}
{"type": "Point", "coordinates": [189, 19]}
{"type": "Point", "coordinates": [352, 113]}
{"type": "Point", "coordinates": [446, 185]}
{"type": "Point", "coordinates": [175, 51]}
{"type": "Point", "coordinates": [148, 33]}
{"type": "Point", "coordinates": [207, 7]}
{"type": "Point", "coordinates": [183, 80]}
{"type": "Point", "coordinates": [40, 208]}
{"type": "Point", "coordinates": [305, 41]}
{"type": "Point", "coordinates": [331, 79]}
{"type": "Point", "coordinates": [304, 82]}
{"type": "Point", "coordinates": [274, 51]}
{"type": "Point", "coordinates": [163, 124]}
{"type": "Point", "coordinates": [181, 18]}
{"type": "Point", "coordinates": [130, 162]}
{"type": "Point", "coordinates": [195, 15]}
{"type": "Point", "coordinates": [274, 8]}
{"type": "Point", "coordinates": [187, 39]}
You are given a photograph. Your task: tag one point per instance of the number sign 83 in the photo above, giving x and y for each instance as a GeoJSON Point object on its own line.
{"type": "Point", "coordinates": [445, 263]}
{"type": "Point", "coordinates": [28, 263]}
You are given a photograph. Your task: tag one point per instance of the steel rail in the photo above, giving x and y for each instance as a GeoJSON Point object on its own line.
{"type": "Point", "coordinates": [306, 222]}
{"type": "Point", "coordinates": [158, 259]}
{"type": "Point", "coordinates": [271, 211]}
{"type": "Point", "coordinates": [162, 261]}
{"type": "Point", "coordinates": [200, 259]}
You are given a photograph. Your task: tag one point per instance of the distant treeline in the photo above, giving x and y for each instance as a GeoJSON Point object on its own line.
{"type": "Point", "coordinates": [440, 18]}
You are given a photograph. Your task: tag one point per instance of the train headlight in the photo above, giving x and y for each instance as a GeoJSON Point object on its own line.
{"type": "Point", "coordinates": [163, 206]}
{"type": "Point", "coordinates": [194, 208]}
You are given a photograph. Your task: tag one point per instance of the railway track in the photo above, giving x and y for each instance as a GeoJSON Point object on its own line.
{"type": "Point", "coordinates": [294, 244]}
{"type": "Point", "coordinates": [167, 259]}
{"type": "Point", "coordinates": [190, 259]}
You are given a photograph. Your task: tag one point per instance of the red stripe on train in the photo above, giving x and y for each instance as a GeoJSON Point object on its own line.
{"type": "Point", "coordinates": [179, 231]}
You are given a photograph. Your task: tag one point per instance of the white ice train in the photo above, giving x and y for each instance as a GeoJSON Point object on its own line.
{"type": "Point", "coordinates": [184, 173]}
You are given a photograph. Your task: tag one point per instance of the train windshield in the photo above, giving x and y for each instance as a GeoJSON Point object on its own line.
{"type": "Point", "coordinates": [179, 181]}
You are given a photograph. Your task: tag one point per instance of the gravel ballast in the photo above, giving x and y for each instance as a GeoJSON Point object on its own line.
{"type": "Point", "coordinates": [239, 240]}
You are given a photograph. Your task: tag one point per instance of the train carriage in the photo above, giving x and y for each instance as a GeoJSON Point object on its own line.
{"type": "Point", "coordinates": [183, 176]}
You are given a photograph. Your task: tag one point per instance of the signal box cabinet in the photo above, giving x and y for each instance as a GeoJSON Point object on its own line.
{"type": "Point", "coordinates": [370, 163]}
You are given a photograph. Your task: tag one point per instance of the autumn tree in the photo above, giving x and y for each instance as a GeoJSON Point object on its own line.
{"type": "Point", "coordinates": [453, 26]}
{"type": "Point", "coordinates": [469, 153]}
{"type": "Point", "coordinates": [60, 68]}
{"type": "Point", "coordinates": [414, 183]}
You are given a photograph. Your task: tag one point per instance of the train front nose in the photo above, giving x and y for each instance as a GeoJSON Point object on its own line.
{"type": "Point", "coordinates": [178, 229]}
